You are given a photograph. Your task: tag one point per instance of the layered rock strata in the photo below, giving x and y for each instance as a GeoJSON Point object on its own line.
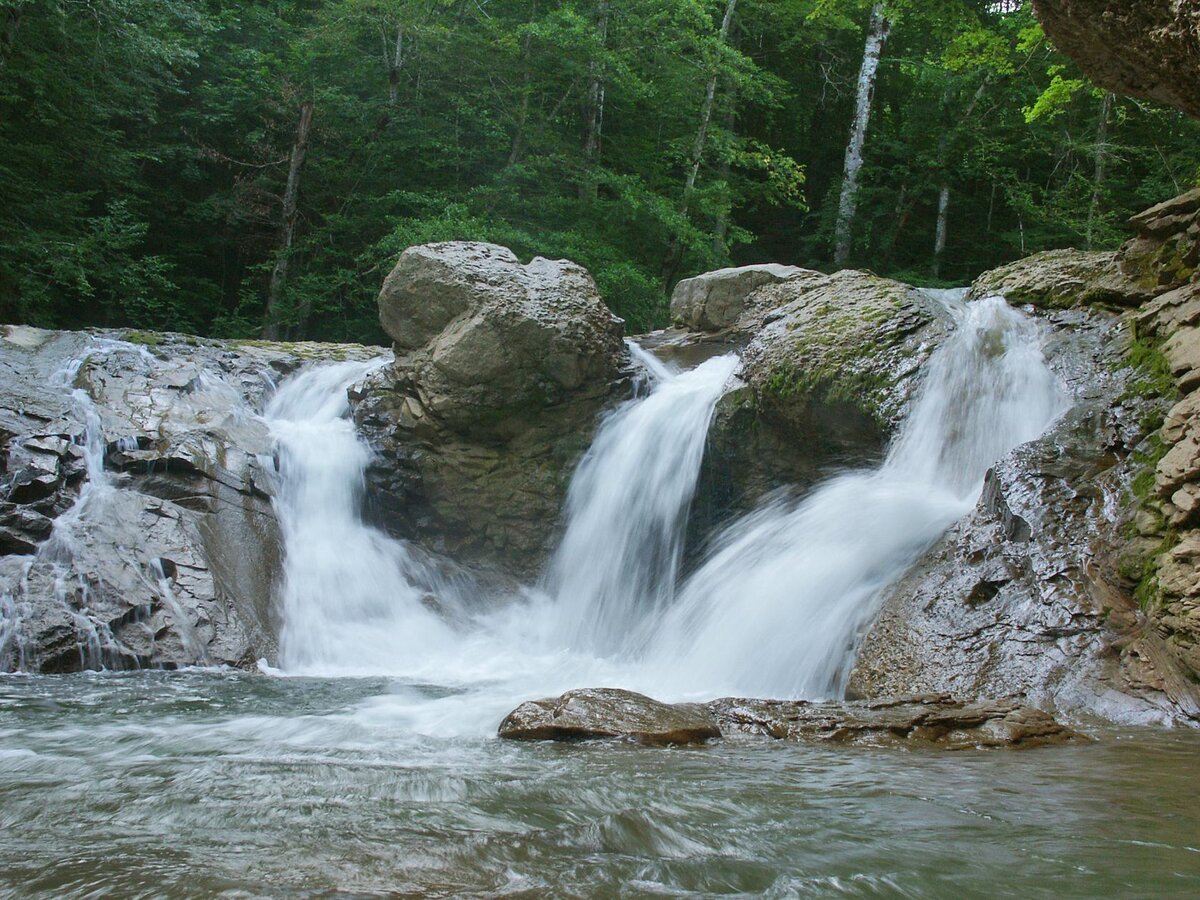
{"type": "Point", "coordinates": [920, 722]}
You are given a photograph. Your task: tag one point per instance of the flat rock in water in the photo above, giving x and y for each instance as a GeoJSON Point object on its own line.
{"type": "Point", "coordinates": [596, 713]}
{"type": "Point", "coordinates": [931, 721]}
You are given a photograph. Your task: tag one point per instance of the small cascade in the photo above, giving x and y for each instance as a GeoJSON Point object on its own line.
{"type": "Point", "coordinates": [627, 511]}
{"type": "Point", "coordinates": [354, 600]}
{"type": "Point", "coordinates": [785, 595]}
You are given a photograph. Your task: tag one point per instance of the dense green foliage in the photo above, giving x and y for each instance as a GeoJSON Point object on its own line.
{"type": "Point", "coordinates": [146, 146]}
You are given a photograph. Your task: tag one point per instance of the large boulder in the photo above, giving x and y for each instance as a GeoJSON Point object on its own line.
{"type": "Point", "coordinates": [717, 300]}
{"type": "Point", "coordinates": [1148, 48]}
{"type": "Point", "coordinates": [136, 526]}
{"type": "Point", "coordinates": [839, 356]}
{"type": "Point", "coordinates": [501, 373]}
{"type": "Point", "coordinates": [826, 377]}
{"type": "Point", "coordinates": [487, 343]}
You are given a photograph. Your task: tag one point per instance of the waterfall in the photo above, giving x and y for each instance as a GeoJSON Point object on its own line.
{"type": "Point", "coordinates": [350, 598]}
{"type": "Point", "coordinates": [627, 511]}
{"type": "Point", "coordinates": [777, 608]}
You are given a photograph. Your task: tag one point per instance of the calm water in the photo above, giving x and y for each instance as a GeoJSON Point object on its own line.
{"type": "Point", "coordinates": [208, 783]}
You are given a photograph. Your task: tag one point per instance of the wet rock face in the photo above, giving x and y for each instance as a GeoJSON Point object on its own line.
{"type": "Point", "coordinates": [1024, 597]}
{"type": "Point", "coordinates": [171, 559]}
{"type": "Point", "coordinates": [1074, 583]}
{"type": "Point", "coordinates": [501, 373]}
{"type": "Point", "coordinates": [719, 300]}
{"type": "Point", "coordinates": [1148, 48]}
{"type": "Point", "coordinates": [932, 721]}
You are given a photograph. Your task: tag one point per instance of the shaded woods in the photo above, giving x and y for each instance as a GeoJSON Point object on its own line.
{"type": "Point", "coordinates": [253, 168]}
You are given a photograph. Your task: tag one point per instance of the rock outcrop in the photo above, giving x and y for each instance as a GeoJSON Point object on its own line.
{"type": "Point", "coordinates": [1075, 583]}
{"type": "Point", "coordinates": [500, 375]}
{"type": "Point", "coordinates": [1060, 279]}
{"type": "Point", "coordinates": [1148, 48]}
{"type": "Point", "coordinates": [929, 722]}
{"type": "Point", "coordinates": [135, 519]}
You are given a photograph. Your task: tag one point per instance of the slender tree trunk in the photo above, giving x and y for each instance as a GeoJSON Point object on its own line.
{"type": "Point", "coordinates": [594, 125]}
{"type": "Point", "coordinates": [945, 150]}
{"type": "Point", "coordinates": [939, 241]}
{"type": "Point", "coordinates": [395, 64]}
{"type": "Point", "coordinates": [877, 35]}
{"type": "Point", "coordinates": [1101, 163]}
{"type": "Point", "coordinates": [675, 252]}
{"type": "Point", "coordinates": [721, 226]}
{"type": "Point", "coordinates": [287, 232]}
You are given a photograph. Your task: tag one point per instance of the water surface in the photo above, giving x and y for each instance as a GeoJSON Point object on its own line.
{"type": "Point", "coordinates": [208, 783]}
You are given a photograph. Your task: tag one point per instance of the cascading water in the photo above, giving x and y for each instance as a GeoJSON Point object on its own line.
{"type": "Point", "coordinates": [349, 597]}
{"type": "Point", "coordinates": [779, 605]}
{"type": "Point", "coordinates": [627, 510]}
{"type": "Point", "coordinates": [775, 610]}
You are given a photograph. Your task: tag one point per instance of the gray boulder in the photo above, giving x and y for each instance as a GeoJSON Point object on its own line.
{"type": "Point", "coordinates": [717, 300]}
{"type": "Point", "coordinates": [594, 713]}
{"type": "Point", "coordinates": [501, 373]}
{"type": "Point", "coordinates": [490, 341]}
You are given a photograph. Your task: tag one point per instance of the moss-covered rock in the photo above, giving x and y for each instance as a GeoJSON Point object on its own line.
{"type": "Point", "coordinates": [839, 357]}
{"type": "Point", "coordinates": [1060, 279]}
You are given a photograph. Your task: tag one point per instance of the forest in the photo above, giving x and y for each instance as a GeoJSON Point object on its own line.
{"type": "Point", "coordinates": [243, 169]}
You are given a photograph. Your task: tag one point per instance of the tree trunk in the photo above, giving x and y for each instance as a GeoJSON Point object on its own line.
{"type": "Point", "coordinates": [1101, 162]}
{"type": "Point", "coordinates": [287, 232]}
{"type": "Point", "coordinates": [594, 120]}
{"type": "Point", "coordinates": [395, 64]}
{"type": "Point", "coordinates": [877, 34]}
{"type": "Point", "coordinates": [721, 226]}
{"type": "Point", "coordinates": [675, 252]}
{"type": "Point", "coordinates": [939, 241]}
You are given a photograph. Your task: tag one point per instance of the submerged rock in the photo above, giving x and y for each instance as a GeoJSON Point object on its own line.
{"type": "Point", "coordinates": [931, 721]}
{"type": "Point", "coordinates": [593, 713]}
{"type": "Point", "coordinates": [501, 372]}
{"type": "Point", "coordinates": [934, 721]}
